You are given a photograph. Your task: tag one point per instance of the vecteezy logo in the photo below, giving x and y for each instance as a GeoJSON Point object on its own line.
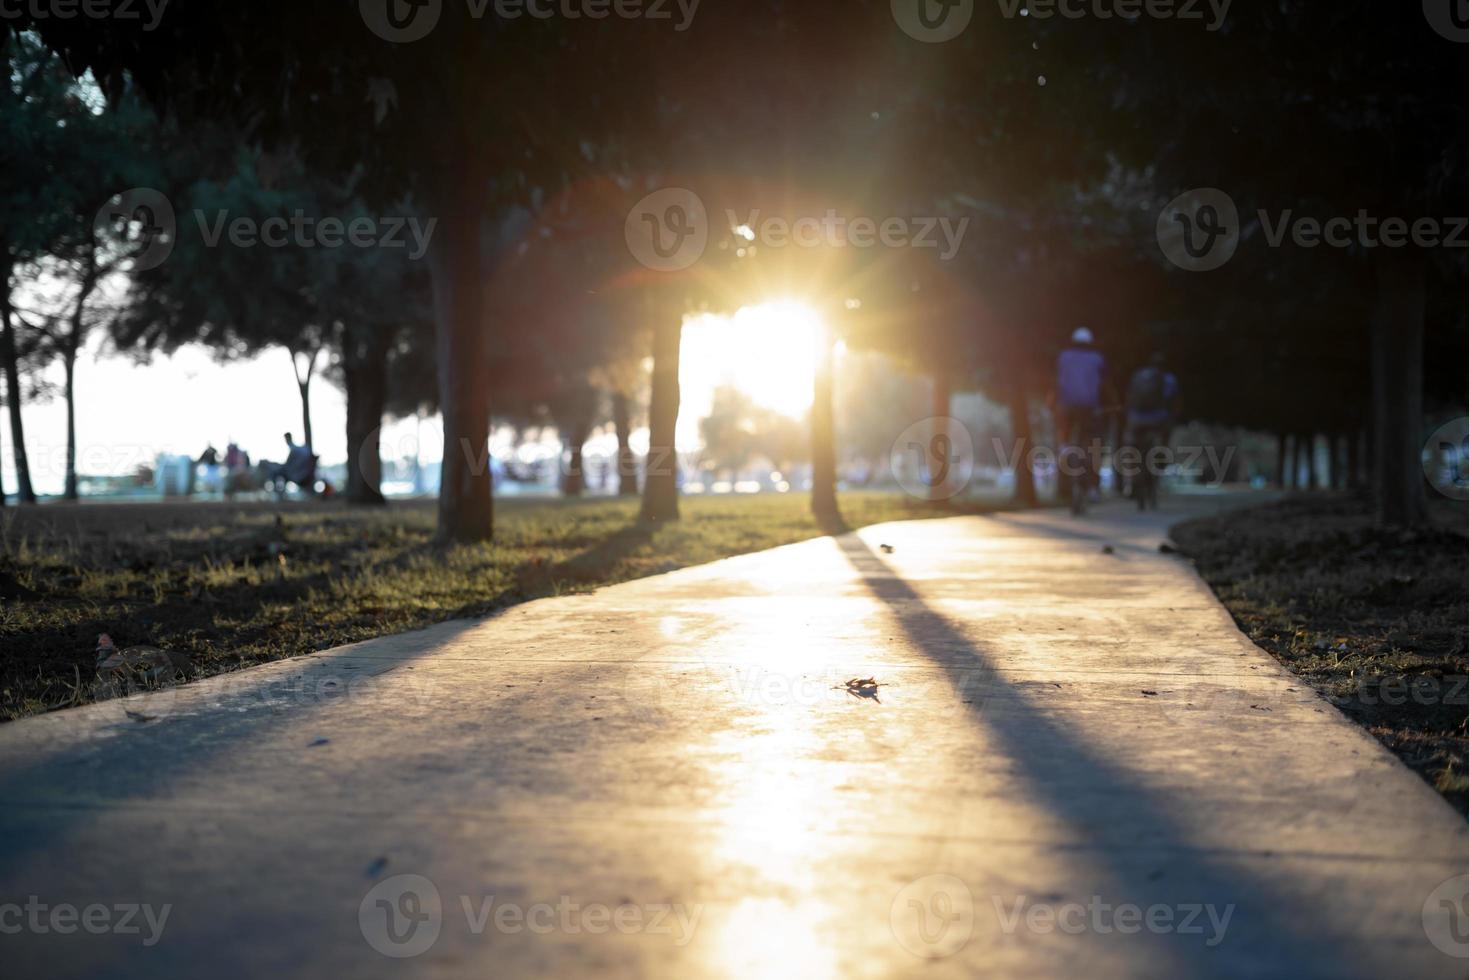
{"type": "Point", "coordinates": [1446, 917]}
{"type": "Point", "coordinates": [934, 459]}
{"type": "Point", "coordinates": [401, 916]}
{"type": "Point", "coordinates": [140, 223]}
{"type": "Point", "coordinates": [668, 230]}
{"type": "Point", "coordinates": [1446, 459]}
{"type": "Point", "coordinates": [933, 21]}
{"type": "Point", "coordinates": [401, 21]}
{"type": "Point", "coordinates": [1450, 18]}
{"type": "Point", "coordinates": [933, 917]}
{"type": "Point", "coordinates": [1199, 230]}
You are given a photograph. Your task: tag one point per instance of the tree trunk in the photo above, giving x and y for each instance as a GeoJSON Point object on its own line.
{"type": "Point", "coordinates": [3, 502]}
{"type": "Point", "coordinates": [627, 466]}
{"type": "Point", "coordinates": [70, 364]}
{"type": "Point", "coordinates": [574, 480]}
{"type": "Point", "coordinates": [303, 385]}
{"type": "Point", "coordinates": [466, 507]}
{"type": "Point", "coordinates": [1397, 387]}
{"type": "Point", "coordinates": [1369, 456]}
{"type": "Point", "coordinates": [365, 370]}
{"type": "Point", "coordinates": [660, 482]}
{"type": "Point", "coordinates": [72, 345]}
{"type": "Point", "coordinates": [823, 436]}
{"type": "Point", "coordinates": [307, 440]}
{"type": "Point", "coordinates": [1354, 460]}
{"type": "Point", "coordinates": [1313, 478]}
{"type": "Point", "coordinates": [1282, 446]}
{"type": "Point", "coordinates": [938, 490]}
{"type": "Point", "coordinates": [1020, 447]}
{"type": "Point", "coordinates": [24, 493]}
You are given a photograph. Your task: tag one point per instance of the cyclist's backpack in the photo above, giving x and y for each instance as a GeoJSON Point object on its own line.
{"type": "Point", "coordinates": [1147, 392]}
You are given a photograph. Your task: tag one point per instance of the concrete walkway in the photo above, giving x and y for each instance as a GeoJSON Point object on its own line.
{"type": "Point", "coordinates": [1074, 766]}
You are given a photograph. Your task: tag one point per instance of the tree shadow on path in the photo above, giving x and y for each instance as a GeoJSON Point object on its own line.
{"type": "Point", "coordinates": [1065, 776]}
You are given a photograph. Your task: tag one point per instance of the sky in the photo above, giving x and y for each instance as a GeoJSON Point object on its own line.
{"type": "Point", "coordinates": [129, 413]}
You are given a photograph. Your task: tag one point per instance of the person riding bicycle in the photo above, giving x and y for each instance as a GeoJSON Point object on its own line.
{"type": "Point", "coordinates": [1081, 381]}
{"type": "Point", "coordinates": [1152, 397]}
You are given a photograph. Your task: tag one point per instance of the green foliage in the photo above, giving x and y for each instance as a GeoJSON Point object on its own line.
{"type": "Point", "coordinates": [240, 294]}
{"type": "Point", "coordinates": [63, 154]}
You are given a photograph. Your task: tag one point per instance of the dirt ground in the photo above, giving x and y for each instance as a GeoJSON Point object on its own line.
{"type": "Point", "coordinates": [1377, 620]}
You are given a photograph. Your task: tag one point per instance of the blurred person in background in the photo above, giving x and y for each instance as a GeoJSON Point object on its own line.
{"type": "Point", "coordinates": [1152, 401]}
{"type": "Point", "coordinates": [1081, 384]}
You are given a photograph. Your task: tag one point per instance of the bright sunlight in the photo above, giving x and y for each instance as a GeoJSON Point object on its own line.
{"type": "Point", "coordinates": [767, 351]}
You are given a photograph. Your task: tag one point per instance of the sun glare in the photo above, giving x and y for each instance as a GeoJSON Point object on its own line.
{"type": "Point", "coordinates": [766, 351]}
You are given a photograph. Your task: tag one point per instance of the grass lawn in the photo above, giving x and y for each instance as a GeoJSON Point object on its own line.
{"type": "Point", "coordinates": [1377, 620]}
{"type": "Point", "coordinates": [237, 584]}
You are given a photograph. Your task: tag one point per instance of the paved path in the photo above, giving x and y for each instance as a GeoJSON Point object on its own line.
{"type": "Point", "coordinates": [668, 779]}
